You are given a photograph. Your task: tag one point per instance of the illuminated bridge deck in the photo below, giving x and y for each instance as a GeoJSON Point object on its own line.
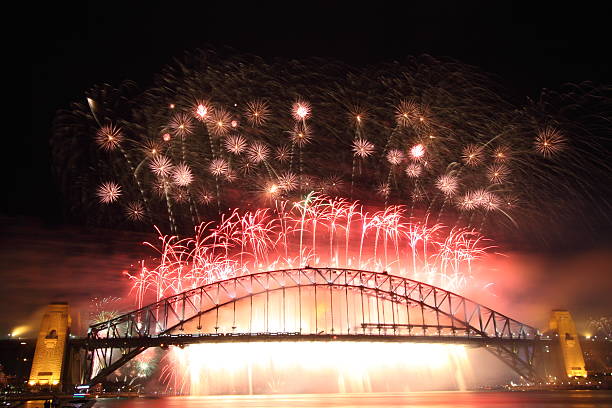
{"type": "Point", "coordinates": [187, 339]}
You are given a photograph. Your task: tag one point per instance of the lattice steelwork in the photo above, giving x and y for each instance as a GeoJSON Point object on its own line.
{"type": "Point", "coordinates": [310, 303]}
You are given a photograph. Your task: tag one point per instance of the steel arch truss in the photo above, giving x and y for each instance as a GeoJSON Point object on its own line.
{"type": "Point", "coordinates": [312, 302]}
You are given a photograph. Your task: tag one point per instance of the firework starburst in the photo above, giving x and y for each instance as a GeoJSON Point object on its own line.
{"type": "Point", "coordinates": [161, 166]}
{"type": "Point", "coordinates": [108, 192]}
{"type": "Point", "coordinates": [549, 142]}
{"type": "Point", "coordinates": [181, 125]}
{"type": "Point", "coordinates": [257, 112]}
{"type": "Point", "coordinates": [182, 175]}
{"type": "Point", "coordinates": [235, 144]}
{"type": "Point", "coordinates": [362, 148]}
{"type": "Point", "coordinates": [134, 211]}
{"type": "Point", "coordinates": [109, 137]}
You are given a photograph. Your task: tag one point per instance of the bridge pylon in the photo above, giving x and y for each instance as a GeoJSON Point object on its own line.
{"type": "Point", "coordinates": [49, 365]}
{"type": "Point", "coordinates": [562, 324]}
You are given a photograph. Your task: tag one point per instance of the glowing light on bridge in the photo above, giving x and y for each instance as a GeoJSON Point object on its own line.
{"type": "Point", "coordinates": [302, 367]}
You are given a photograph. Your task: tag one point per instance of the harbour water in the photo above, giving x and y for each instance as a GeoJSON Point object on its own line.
{"type": "Point", "coordinates": [527, 399]}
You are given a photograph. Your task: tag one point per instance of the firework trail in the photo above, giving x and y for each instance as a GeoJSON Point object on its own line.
{"type": "Point", "coordinates": [317, 231]}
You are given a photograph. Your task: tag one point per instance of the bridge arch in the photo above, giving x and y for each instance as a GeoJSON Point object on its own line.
{"type": "Point", "coordinates": [312, 303]}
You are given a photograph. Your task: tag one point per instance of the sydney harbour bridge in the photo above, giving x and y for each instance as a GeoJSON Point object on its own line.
{"type": "Point", "coordinates": [309, 304]}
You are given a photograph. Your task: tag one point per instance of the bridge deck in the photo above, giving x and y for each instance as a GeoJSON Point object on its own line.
{"type": "Point", "coordinates": [186, 339]}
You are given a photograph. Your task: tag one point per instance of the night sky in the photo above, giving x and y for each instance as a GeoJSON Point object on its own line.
{"type": "Point", "coordinates": [76, 46]}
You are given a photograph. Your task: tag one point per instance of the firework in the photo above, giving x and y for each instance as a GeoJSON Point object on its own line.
{"type": "Point", "coordinates": [413, 170]}
{"type": "Point", "coordinates": [202, 110]}
{"type": "Point", "coordinates": [135, 211]}
{"type": "Point", "coordinates": [501, 154]}
{"type": "Point", "coordinates": [406, 113]}
{"type": "Point", "coordinates": [497, 173]}
{"type": "Point", "coordinates": [181, 125]}
{"type": "Point", "coordinates": [288, 181]}
{"type": "Point", "coordinates": [282, 153]}
{"type": "Point", "coordinates": [182, 175]}
{"type": "Point", "coordinates": [472, 155]}
{"type": "Point", "coordinates": [205, 197]}
{"type": "Point", "coordinates": [449, 185]}
{"type": "Point", "coordinates": [235, 144]}
{"type": "Point", "coordinates": [161, 166]}
{"type": "Point", "coordinates": [220, 122]}
{"type": "Point", "coordinates": [108, 192]}
{"type": "Point", "coordinates": [258, 152]}
{"type": "Point", "coordinates": [549, 142]}
{"type": "Point", "coordinates": [257, 112]}
{"type": "Point", "coordinates": [417, 152]}
{"type": "Point", "coordinates": [362, 148]}
{"type": "Point", "coordinates": [395, 156]}
{"type": "Point", "coordinates": [318, 230]}
{"type": "Point", "coordinates": [300, 110]}
{"type": "Point", "coordinates": [109, 137]}
{"type": "Point", "coordinates": [300, 135]}
{"type": "Point", "coordinates": [218, 167]}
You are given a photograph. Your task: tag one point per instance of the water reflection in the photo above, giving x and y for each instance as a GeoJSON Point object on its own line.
{"type": "Point", "coordinates": [577, 399]}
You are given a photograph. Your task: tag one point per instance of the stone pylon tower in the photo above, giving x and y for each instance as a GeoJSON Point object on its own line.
{"type": "Point", "coordinates": [573, 361]}
{"type": "Point", "coordinates": [49, 355]}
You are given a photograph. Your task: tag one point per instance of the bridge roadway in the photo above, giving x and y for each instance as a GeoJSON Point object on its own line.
{"type": "Point", "coordinates": [182, 340]}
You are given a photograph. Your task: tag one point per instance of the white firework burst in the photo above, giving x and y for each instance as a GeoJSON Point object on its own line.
{"type": "Point", "coordinates": [109, 137]}
{"type": "Point", "coordinates": [181, 124]}
{"type": "Point", "coordinates": [549, 142]}
{"type": "Point", "coordinates": [134, 211]}
{"type": "Point", "coordinates": [235, 144]}
{"type": "Point", "coordinates": [257, 112]}
{"type": "Point", "coordinates": [220, 122]}
{"type": "Point", "coordinates": [288, 181]}
{"type": "Point", "coordinates": [205, 197]}
{"type": "Point", "coordinates": [383, 189]}
{"type": "Point", "coordinates": [161, 166]}
{"type": "Point", "coordinates": [414, 170]}
{"type": "Point", "coordinates": [447, 184]}
{"type": "Point", "coordinates": [300, 110]}
{"type": "Point", "coordinates": [108, 192]}
{"type": "Point", "coordinates": [218, 167]}
{"type": "Point", "coordinates": [497, 173]}
{"type": "Point", "coordinates": [332, 184]}
{"type": "Point", "coordinates": [472, 155]}
{"type": "Point", "coordinates": [362, 148]}
{"type": "Point", "coordinates": [407, 113]}
{"type": "Point", "coordinates": [301, 136]}
{"type": "Point", "coordinates": [182, 175]}
{"type": "Point", "coordinates": [202, 110]}
{"type": "Point", "coordinates": [230, 175]}
{"type": "Point", "coordinates": [395, 156]}
{"type": "Point", "coordinates": [258, 152]}
{"type": "Point", "coordinates": [283, 153]}
{"type": "Point", "coordinates": [501, 154]}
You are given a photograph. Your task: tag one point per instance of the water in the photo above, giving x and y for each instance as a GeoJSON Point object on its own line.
{"type": "Point", "coordinates": [552, 399]}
